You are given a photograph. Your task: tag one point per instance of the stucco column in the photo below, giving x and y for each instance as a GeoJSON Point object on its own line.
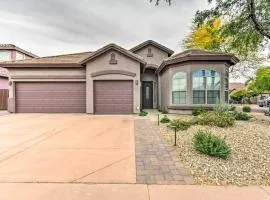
{"type": "Point", "coordinates": [11, 97]}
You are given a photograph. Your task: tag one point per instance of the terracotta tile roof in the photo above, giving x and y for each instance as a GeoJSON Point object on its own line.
{"type": "Point", "coordinates": [151, 42]}
{"type": "Point", "coordinates": [198, 55]}
{"type": "Point", "coordinates": [197, 52]}
{"type": "Point", "coordinates": [13, 47]}
{"type": "Point", "coordinates": [77, 59]}
{"type": "Point", "coordinates": [59, 59]}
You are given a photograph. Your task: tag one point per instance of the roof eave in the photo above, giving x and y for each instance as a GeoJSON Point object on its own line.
{"type": "Point", "coordinates": [20, 50]}
{"type": "Point", "coordinates": [231, 60]}
{"type": "Point", "coordinates": [107, 48]}
{"type": "Point", "coordinates": [38, 65]}
{"type": "Point", "coordinates": [151, 42]}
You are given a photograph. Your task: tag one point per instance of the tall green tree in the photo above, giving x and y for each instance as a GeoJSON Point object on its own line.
{"type": "Point", "coordinates": [245, 30]}
{"type": "Point", "coordinates": [262, 80]}
{"type": "Point", "coordinates": [247, 22]}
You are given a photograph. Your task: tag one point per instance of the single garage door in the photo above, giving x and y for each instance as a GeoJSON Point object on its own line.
{"type": "Point", "coordinates": [113, 97]}
{"type": "Point", "coordinates": [51, 97]}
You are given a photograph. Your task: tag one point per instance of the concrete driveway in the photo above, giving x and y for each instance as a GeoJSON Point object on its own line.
{"type": "Point", "coordinates": [67, 148]}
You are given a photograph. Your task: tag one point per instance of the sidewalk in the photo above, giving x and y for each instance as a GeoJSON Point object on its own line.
{"type": "Point", "coordinates": [56, 191]}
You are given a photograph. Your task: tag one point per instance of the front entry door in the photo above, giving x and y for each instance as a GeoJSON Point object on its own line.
{"type": "Point", "coordinates": [147, 95]}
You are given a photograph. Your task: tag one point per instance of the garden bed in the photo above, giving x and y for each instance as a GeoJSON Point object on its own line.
{"type": "Point", "coordinates": [248, 163]}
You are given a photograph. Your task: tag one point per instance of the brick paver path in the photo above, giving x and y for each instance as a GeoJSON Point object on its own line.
{"type": "Point", "coordinates": [156, 161]}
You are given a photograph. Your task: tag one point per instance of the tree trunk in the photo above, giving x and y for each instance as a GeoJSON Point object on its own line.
{"type": "Point", "coordinates": [255, 23]}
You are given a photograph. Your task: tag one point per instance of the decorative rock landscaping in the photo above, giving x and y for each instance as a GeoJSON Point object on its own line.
{"type": "Point", "coordinates": [248, 164]}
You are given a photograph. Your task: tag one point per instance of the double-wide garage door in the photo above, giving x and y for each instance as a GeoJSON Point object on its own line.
{"type": "Point", "coordinates": [113, 97]}
{"type": "Point", "coordinates": [51, 97]}
{"type": "Point", "coordinates": [110, 97]}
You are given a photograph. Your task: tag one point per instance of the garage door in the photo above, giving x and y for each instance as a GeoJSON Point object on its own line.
{"type": "Point", "coordinates": [113, 97]}
{"type": "Point", "coordinates": [50, 97]}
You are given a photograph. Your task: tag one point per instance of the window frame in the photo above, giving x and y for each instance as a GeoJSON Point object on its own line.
{"type": "Point", "coordinates": [205, 85]}
{"type": "Point", "coordinates": [180, 91]}
{"type": "Point", "coordinates": [8, 52]}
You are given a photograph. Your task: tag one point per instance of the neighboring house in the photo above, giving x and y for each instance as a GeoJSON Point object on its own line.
{"type": "Point", "coordinates": [234, 87]}
{"type": "Point", "coordinates": [113, 80]}
{"type": "Point", "coordinates": [9, 52]}
{"type": "Point", "coordinates": [3, 79]}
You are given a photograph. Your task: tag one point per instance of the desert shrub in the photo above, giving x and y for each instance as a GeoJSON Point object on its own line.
{"type": "Point", "coordinates": [267, 113]}
{"type": "Point", "coordinates": [232, 108]}
{"type": "Point", "coordinates": [143, 113]}
{"type": "Point", "coordinates": [241, 116]}
{"type": "Point", "coordinates": [220, 119]}
{"type": "Point", "coordinates": [246, 109]}
{"type": "Point", "coordinates": [165, 119]}
{"type": "Point", "coordinates": [181, 125]}
{"type": "Point", "coordinates": [207, 143]}
{"type": "Point", "coordinates": [199, 110]}
{"type": "Point", "coordinates": [222, 107]}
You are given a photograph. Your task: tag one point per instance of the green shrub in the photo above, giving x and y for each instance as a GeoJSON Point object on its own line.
{"type": "Point", "coordinates": [220, 119]}
{"type": "Point", "coordinates": [209, 144]}
{"type": "Point", "coordinates": [267, 113]}
{"type": "Point", "coordinates": [241, 116]}
{"type": "Point", "coordinates": [181, 125]}
{"type": "Point", "coordinates": [199, 110]}
{"type": "Point", "coordinates": [222, 107]}
{"type": "Point", "coordinates": [165, 119]}
{"type": "Point", "coordinates": [246, 109]}
{"type": "Point", "coordinates": [232, 108]}
{"type": "Point", "coordinates": [143, 113]}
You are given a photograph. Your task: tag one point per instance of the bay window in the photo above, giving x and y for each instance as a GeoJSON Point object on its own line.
{"type": "Point", "coordinates": [206, 86]}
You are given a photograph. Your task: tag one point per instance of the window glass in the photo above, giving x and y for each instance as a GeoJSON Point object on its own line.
{"type": "Point", "coordinates": [179, 87]}
{"type": "Point", "coordinates": [206, 86]}
{"type": "Point", "coordinates": [198, 83]}
{"type": "Point", "coordinates": [147, 91]}
{"type": "Point", "coordinates": [5, 55]}
{"type": "Point", "coordinates": [213, 83]}
{"type": "Point", "coordinates": [179, 97]}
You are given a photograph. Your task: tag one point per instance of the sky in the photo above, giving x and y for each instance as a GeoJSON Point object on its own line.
{"type": "Point", "coordinates": [51, 27]}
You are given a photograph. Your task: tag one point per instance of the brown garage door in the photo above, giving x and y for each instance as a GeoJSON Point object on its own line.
{"type": "Point", "coordinates": [50, 97]}
{"type": "Point", "coordinates": [113, 97]}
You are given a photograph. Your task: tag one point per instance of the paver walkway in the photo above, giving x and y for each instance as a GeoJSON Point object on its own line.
{"type": "Point", "coordinates": [156, 161]}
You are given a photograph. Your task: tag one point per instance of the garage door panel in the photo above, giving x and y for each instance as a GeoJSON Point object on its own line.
{"type": "Point", "coordinates": [113, 97]}
{"type": "Point", "coordinates": [51, 97]}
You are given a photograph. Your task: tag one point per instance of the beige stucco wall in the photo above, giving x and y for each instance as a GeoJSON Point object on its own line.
{"type": "Point", "coordinates": [166, 82]}
{"type": "Point", "coordinates": [101, 63]}
{"type": "Point", "coordinates": [158, 55]}
{"type": "Point", "coordinates": [151, 76]}
{"type": "Point", "coordinates": [41, 75]}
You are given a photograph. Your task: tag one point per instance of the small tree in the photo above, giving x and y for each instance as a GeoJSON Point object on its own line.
{"type": "Point", "coordinates": [262, 80]}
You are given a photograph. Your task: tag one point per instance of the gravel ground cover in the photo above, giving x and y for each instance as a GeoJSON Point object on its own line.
{"type": "Point", "coordinates": [248, 164]}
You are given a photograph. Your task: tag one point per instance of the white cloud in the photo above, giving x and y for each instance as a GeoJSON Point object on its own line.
{"type": "Point", "coordinates": [63, 26]}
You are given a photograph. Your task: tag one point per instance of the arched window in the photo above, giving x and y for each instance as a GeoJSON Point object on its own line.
{"type": "Point", "coordinates": [179, 88]}
{"type": "Point", "coordinates": [206, 86]}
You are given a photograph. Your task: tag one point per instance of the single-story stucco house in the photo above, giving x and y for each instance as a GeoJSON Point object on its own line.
{"type": "Point", "coordinates": [113, 80]}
